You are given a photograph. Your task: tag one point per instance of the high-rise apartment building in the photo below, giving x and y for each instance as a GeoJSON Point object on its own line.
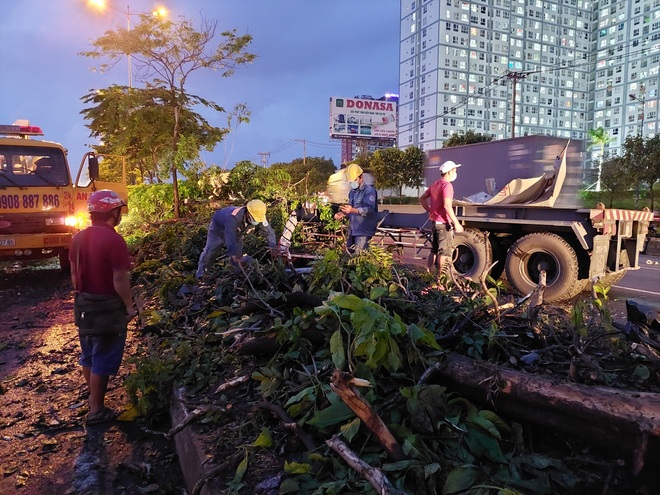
{"type": "Point", "coordinates": [514, 67]}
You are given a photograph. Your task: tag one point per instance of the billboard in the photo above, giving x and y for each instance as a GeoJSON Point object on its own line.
{"type": "Point", "coordinates": [360, 118]}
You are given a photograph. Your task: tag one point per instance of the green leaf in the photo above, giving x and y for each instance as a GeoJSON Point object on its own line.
{"type": "Point", "coordinates": [495, 419]}
{"type": "Point", "coordinates": [289, 485]}
{"type": "Point", "coordinates": [307, 393]}
{"type": "Point", "coordinates": [297, 468]}
{"type": "Point", "coordinates": [241, 469]}
{"type": "Point", "coordinates": [391, 467]}
{"type": "Point", "coordinates": [337, 350]}
{"type": "Point", "coordinates": [460, 479]}
{"type": "Point", "coordinates": [418, 334]}
{"type": "Point", "coordinates": [486, 424]}
{"type": "Point", "coordinates": [348, 301]}
{"type": "Point", "coordinates": [431, 469]}
{"type": "Point", "coordinates": [264, 439]}
{"type": "Point", "coordinates": [484, 445]}
{"type": "Point", "coordinates": [349, 430]}
{"type": "Point", "coordinates": [331, 415]}
{"type": "Point", "coordinates": [642, 372]}
{"type": "Point", "coordinates": [394, 356]}
{"type": "Point", "coordinates": [377, 292]}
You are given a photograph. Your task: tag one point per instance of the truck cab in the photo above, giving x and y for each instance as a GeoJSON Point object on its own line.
{"type": "Point", "coordinates": [40, 205]}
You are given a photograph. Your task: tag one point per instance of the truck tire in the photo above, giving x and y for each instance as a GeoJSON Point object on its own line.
{"type": "Point", "coordinates": [533, 253]}
{"type": "Point", "coordinates": [472, 254]}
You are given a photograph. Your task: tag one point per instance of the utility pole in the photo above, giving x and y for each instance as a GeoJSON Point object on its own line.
{"type": "Point", "coordinates": [128, 55]}
{"type": "Point", "coordinates": [515, 77]}
{"type": "Point", "coordinates": [304, 142]}
{"type": "Point", "coordinates": [264, 158]}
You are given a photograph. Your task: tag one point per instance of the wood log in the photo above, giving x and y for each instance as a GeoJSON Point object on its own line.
{"type": "Point", "coordinates": [341, 385]}
{"type": "Point", "coordinates": [268, 344]}
{"type": "Point", "coordinates": [612, 418]}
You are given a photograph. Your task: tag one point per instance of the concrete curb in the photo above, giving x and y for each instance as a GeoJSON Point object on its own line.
{"type": "Point", "coordinates": [192, 456]}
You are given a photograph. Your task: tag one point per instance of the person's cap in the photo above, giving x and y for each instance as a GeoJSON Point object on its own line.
{"type": "Point", "coordinates": [103, 201]}
{"type": "Point", "coordinates": [353, 171]}
{"type": "Point", "coordinates": [447, 166]}
{"type": "Point", "coordinates": [257, 210]}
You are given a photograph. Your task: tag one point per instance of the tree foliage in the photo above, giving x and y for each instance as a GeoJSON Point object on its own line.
{"type": "Point", "coordinates": [164, 55]}
{"type": "Point", "coordinates": [309, 175]}
{"type": "Point", "coordinates": [249, 181]}
{"type": "Point", "coordinates": [642, 158]}
{"type": "Point", "coordinates": [614, 178]}
{"type": "Point", "coordinates": [394, 168]}
{"type": "Point", "coordinates": [470, 137]}
{"type": "Point", "coordinates": [136, 123]}
{"type": "Point", "coordinates": [599, 137]}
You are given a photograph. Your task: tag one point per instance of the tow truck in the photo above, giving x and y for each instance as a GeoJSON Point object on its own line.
{"type": "Point", "coordinates": [41, 207]}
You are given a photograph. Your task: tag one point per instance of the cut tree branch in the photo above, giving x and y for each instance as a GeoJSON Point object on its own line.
{"type": "Point", "coordinates": [341, 385]}
{"type": "Point", "coordinates": [374, 476]}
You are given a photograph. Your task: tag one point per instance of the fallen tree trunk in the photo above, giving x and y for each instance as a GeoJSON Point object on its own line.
{"type": "Point", "coordinates": [612, 418]}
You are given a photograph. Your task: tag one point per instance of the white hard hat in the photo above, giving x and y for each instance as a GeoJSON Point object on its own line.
{"type": "Point", "coordinates": [447, 166]}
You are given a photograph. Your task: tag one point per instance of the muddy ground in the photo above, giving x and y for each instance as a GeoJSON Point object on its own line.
{"type": "Point", "coordinates": [45, 446]}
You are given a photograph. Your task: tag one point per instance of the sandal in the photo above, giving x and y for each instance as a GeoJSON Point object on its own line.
{"type": "Point", "coordinates": [103, 416]}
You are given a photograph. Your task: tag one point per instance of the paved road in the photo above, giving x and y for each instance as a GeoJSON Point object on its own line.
{"type": "Point", "coordinates": [642, 284]}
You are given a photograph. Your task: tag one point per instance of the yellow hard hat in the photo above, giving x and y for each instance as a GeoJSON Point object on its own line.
{"type": "Point", "coordinates": [257, 210]}
{"type": "Point", "coordinates": [353, 171]}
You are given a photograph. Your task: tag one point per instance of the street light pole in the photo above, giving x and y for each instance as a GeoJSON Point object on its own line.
{"type": "Point", "coordinates": [641, 100]}
{"type": "Point", "coordinates": [640, 132]}
{"type": "Point", "coordinates": [102, 5]}
{"type": "Point", "coordinates": [128, 55]}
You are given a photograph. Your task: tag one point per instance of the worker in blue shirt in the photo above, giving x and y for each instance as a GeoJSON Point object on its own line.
{"type": "Point", "coordinates": [361, 210]}
{"type": "Point", "coordinates": [227, 227]}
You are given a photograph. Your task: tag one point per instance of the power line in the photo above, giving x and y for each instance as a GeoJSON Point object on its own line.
{"type": "Point", "coordinates": [562, 66]}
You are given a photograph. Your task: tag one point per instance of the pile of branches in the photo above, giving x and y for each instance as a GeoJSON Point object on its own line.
{"type": "Point", "coordinates": [362, 377]}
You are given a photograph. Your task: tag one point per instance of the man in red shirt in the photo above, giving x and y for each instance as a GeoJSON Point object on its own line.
{"type": "Point", "coordinates": [442, 216]}
{"type": "Point", "coordinates": [100, 273]}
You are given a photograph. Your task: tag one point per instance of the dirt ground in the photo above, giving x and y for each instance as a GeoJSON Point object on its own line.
{"type": "Point", "coordinates": [45, 446]}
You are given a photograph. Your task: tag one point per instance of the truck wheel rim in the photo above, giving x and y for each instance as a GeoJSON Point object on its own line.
{"type": "Point", "coordinates": [541, 261]}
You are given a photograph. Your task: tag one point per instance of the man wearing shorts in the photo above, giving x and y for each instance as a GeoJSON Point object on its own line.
{"type": "Point", "coordinates": [442, 216]}
{"type": "Point", "coordinates": [100, 265]}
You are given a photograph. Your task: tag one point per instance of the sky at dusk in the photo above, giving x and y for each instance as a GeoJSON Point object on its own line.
{"type": "Point", "coordinates": [307, 51]}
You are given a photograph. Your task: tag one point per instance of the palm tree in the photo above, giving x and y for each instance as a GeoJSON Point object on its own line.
{"type": "Point", "coordinates": [599, 137]}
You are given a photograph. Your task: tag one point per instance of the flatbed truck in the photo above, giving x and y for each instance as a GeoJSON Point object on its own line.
{"type": "Point", "coordinates": [521, 232]}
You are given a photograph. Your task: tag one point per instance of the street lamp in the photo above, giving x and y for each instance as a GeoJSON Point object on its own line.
{"type": "Point", "coordinates": [641, 100]}
{"type": "Point", "coordinates": [102, 5]}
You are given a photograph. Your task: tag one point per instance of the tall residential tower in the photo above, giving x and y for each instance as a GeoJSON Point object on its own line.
{"type": "Point", "coordinates": [515, 67]}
